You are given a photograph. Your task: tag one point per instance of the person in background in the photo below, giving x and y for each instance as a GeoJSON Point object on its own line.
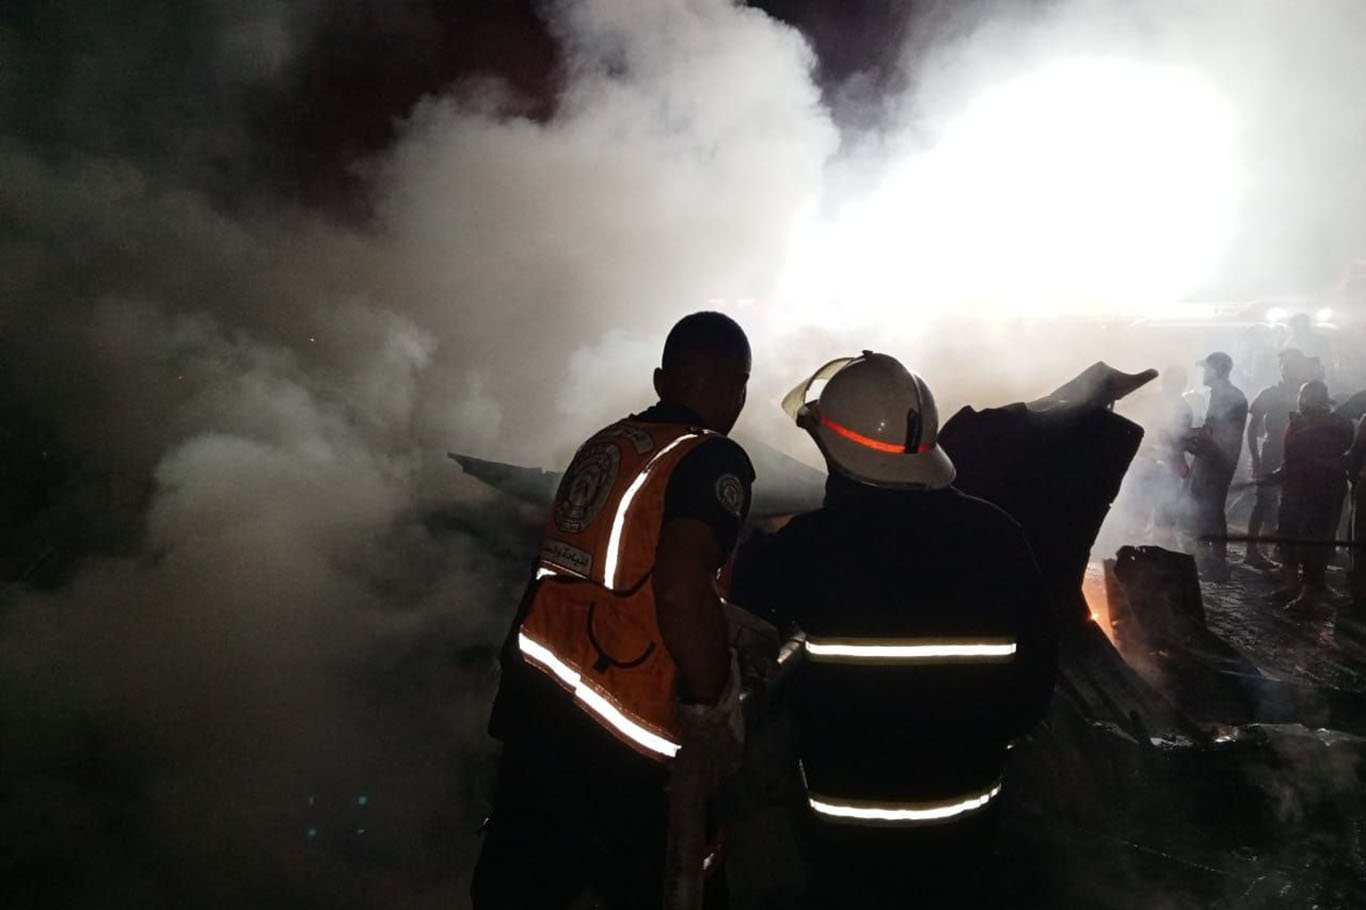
{"type": "Point", "coordinates": [1268, 417]}
{"type": "Point", "coordinates": [1356, 474]}
{"type": "Point", "coordinates": [1315, 346]}
{"type": "Point", "coordinates": [1216, 445]}
{"type": "Point", "coordinates": [1313, 481]}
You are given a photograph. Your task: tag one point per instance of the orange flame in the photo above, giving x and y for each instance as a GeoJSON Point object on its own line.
{"type": "Point", "coordinates": [1093, 589]}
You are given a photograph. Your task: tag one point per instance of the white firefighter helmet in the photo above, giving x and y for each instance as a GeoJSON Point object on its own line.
{"type": "Point", "coordinates": [875, 422]}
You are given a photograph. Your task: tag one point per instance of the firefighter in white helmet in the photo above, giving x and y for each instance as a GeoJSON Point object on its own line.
{"type": "Point", "coordinates": [930, 644]}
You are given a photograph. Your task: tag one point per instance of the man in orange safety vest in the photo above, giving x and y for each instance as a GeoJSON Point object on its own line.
{"type": "Point", "coordinates": [619, 650]}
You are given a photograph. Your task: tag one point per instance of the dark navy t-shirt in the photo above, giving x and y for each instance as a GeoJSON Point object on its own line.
{"type": "Point", "coordinates": [711, 484]}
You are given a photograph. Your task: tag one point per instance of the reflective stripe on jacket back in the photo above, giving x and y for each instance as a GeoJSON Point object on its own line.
{"type": "Point", "coordinates": [918, 795]}
{"type": "Point", "coordinates": [591, 622]}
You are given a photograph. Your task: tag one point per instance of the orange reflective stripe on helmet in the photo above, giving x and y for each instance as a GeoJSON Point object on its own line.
{"type": "Point", "coordinates": [861, 439]}
{"type": "Point", "coordinates": [868, 441]}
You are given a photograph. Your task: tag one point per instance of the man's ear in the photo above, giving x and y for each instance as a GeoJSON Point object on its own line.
{"type": "Point", "coordinates": [659, 383]}
{"type": "Point", "coordinates": [742, 392]}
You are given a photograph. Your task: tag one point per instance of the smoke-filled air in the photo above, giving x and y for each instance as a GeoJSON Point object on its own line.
{"type": "Point", "coordinates": [251, 610]}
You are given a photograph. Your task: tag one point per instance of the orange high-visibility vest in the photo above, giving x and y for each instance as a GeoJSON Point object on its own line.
{"type": "Point", "coordinates": [591, 621]}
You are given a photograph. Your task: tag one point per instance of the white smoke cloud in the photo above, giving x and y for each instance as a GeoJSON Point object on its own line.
{"type": "Point", "coordinates": [295, 598]}
{"type": "Point", "coordinates": [1287, 77]}
{"type": "Point", "coordinates": [689, 143]}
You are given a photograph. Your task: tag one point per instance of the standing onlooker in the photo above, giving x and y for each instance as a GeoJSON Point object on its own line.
{"type": "Point", "coordinates": [1318, 350]}
{"type": "Point", "coordinates": [1356, 473]}
{"type": "Point", "coordinates": [1216, 445]}
{"type": "Point", "coordinates": [1313, 482]}
{"type": "Point", "coordinates": [1267, 421]}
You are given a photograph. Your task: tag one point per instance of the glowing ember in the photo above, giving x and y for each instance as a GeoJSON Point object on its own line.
{"type": "Point", "coordinates": [1093, 589]}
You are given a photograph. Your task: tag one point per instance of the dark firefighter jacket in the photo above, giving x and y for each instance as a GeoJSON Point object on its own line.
{"type": "Point", "coordinates": [931, 644]}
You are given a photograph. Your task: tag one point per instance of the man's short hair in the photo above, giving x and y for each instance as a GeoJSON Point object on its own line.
{"type": "Point", "coordinates": [705, 337]}
{"type": "Point", "coordinates": [1221, 362]}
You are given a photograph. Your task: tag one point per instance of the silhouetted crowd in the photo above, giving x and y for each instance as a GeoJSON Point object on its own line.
{"type": "Point", "coordinates": [1305, 454]}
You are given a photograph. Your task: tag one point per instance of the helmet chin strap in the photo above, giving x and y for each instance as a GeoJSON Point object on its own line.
{"type": "Point", "coordinates": [914, 425]}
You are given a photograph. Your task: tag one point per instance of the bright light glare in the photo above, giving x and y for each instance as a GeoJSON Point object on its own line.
{"type": "Point", "coordinates": [1276, 314]}
{"type": "Point", "coordinates": [1090, 186]}
{"type": "Point", "coordinates": [1324, 315]}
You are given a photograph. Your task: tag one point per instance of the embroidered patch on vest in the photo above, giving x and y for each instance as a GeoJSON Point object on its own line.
{"type": "Point", "coordinates": [640, 440]}
{"type": "Point", "coordinates": [730, 493]}
{"type": "Point", "coordinates": [559, 553]}
{"type": "Point", "coordinates": [586, 486]}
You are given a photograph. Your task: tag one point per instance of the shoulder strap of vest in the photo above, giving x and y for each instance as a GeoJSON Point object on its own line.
{"type": "Point", "coordinates": [611, 555]}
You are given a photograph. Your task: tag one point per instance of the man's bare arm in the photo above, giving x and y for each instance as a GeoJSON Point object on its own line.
{"type": "Point", "coordinates": [1256, 415]}
{"type": "Point", "coordinates": [689, 610]}
{"type": "Point", "coordinates": [1356, 455]}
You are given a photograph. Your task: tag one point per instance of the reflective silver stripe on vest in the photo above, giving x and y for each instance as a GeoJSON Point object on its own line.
{"type": "Point", "coordinates": [911, 650]}
{"type": "Point", "coordinates": [593, 701]}
{"type": "Point", "coordinates": [610, 558]}
{"type": "Point", "coordinates": [888, 812]}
